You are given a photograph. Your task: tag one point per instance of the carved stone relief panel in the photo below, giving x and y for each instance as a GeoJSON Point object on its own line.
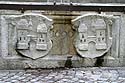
{"type": "Point", "coordinates": [31, 36]}
{"type": "Point", "coordinates": [94, 35]}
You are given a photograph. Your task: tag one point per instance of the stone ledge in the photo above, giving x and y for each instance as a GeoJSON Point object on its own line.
{"type": "Point", "coordinates": [50, 63]}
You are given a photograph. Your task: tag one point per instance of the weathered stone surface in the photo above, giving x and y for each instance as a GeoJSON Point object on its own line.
{"type": "Point", "coordinates": [94, 36]}
{"type": "Point", "coordinates": [28, 35]}
{"type": "Point", "coordinates": [36, 76]}
{"type": "Point", "coordinates": [62, 35]}
{"type": "Point", "coordinates": [122, 41]}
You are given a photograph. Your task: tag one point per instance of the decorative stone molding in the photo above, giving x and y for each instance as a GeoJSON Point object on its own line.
{"type": "Point", "coordinates": [32, 34]}
{"type": "Point", "coordinates": [94, 35]}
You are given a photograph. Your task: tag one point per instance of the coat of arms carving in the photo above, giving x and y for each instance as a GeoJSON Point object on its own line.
{"type": "Point", "coordinates": [94, 36]}
{"type": "Point", "coordinates": [32, 33]}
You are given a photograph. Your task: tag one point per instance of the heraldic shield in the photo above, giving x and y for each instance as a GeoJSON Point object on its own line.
{"type": "Point", "coordinates": [32, 35]}
{"type": "Point", "coordinates": [94, 35]}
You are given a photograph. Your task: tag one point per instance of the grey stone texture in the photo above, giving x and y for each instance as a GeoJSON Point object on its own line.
{"type": "Point", "coordinates": [73, 75]}
{"type": "Point", "coordinates": [27, 35]}
{"type": "Point", "coordinates": [58, 48]}
{"type": "Point", "coordinates": [94, 37]}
